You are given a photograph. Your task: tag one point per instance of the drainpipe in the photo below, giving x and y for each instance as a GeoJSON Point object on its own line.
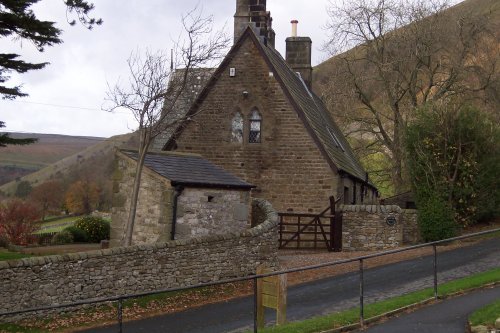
{"type": "Point", "coordinates": [177, 194]}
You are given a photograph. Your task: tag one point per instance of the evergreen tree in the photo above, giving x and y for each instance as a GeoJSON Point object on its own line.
{"type": "Point", "coordinates": [5, 139]}
{"type": "Point", "coordinates": [17, 20]}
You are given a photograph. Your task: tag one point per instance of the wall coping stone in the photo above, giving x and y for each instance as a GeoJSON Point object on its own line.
{"type": "Point", "coordinates": [385, 209]}
{"type": "Point", "coordinates": [270, 223]}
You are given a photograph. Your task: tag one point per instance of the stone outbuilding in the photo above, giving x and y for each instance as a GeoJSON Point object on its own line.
{"type": "Point", "coordinates": [181, 196]}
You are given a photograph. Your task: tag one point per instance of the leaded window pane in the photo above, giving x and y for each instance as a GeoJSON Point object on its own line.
{"type": "Point", "coordinates": [237, 128]}
{"type": "Point", "coordinates": [255, 127]}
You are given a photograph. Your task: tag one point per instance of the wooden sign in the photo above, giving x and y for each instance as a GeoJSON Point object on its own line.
{"type": "Point", "coordinates": [271, 293]}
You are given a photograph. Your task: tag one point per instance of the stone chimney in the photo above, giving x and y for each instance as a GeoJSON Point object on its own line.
{"type": "Point", "coordinates": [298, 54]}
{"type": "Point", "coordinates": [253, 13]}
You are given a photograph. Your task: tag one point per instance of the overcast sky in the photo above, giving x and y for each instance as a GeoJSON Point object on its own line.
{"type": "Point", "coordinates": [66, 97]}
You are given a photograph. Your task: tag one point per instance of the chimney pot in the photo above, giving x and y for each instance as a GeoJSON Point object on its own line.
{"type": "Point", "coordinates": [294, 28]}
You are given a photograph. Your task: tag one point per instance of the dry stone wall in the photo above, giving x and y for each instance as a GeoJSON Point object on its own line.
{"type": "Point", "coordinates": [203, 212]}
{"type": "Point", "coordinates": [374, 227]}
{"type": "Point", "coordinates": [153, 221]}
{"type": "Point", "coordinates": [44, 281]}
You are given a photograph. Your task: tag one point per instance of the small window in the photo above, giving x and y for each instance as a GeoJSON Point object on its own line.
{"type": "Point", "coordinates": [255, 127]}
{"type": "Point", "coordinates": [237, 128]}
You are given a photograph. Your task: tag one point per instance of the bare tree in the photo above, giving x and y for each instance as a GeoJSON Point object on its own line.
{"type": "Point", "coordinates": [405, 54]}
{"type": "Point", "coordinates": [155, 88]}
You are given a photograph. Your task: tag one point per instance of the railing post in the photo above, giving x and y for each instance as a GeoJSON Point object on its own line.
{"type": "Point", "coordinates": [361, 294]}
{"type": "Point", "coordinates": [120, 315]}
{"type": "Point", "coordinates": [255, 307]}
{"type": "Point", "coordinates": [435, 272]}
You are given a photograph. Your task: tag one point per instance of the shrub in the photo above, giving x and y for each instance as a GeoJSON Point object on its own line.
{"type": "Point", "coordinates": [454, 150]}
{"type": "Point", "coordinates": [97, 228]}
{"type": "Point", "coordinates": [435, 219]}
{"type": "Point", "coordinates": [79, 235]}
{"type": "Point", "coordinates": [63, 237]}
{"type": "Point", "coordinates": [17, 219]}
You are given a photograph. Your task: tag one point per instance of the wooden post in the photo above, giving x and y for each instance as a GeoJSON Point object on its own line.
{"type": "Point", "coordinates": [332, 224]}
{"type": "Point", "coordinates": [281, 310]}
{"type": "Point", "coordinates": [260, 305]}
{"type": "Point", "coordinates": [271, 293]}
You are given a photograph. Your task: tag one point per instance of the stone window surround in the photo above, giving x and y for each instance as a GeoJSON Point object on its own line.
{"type": "Point", "coordinates": [237, 127]}
{"type": "Point", "coordinates": [255, 126]}
{"type": "Point", "coordinates": [246, 114]}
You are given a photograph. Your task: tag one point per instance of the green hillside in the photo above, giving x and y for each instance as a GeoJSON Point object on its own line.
{"type": "Point", "coordinates": [18, 161]}
{"type": "Point", "coordinates": [96, 159]}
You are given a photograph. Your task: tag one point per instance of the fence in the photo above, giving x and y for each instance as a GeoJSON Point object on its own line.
{"type": "Point", "coordinates": [311, 231]}
{"type": "Point", "coordinates": [254, 278]}
{"type": "Point", "coordinates": [43, 238]}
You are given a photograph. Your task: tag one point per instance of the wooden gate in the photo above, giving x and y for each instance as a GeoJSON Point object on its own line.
{"type": "Point", "coordinates": [311, 231]}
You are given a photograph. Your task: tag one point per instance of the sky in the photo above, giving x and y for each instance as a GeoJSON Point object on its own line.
{"type": "Point", "coordinates": [67, 96]}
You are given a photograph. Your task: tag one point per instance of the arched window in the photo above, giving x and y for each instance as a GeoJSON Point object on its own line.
{"type": "Point", "coordinates": [254, 135]}
{"type": "Point", "coordinates": [237, 128]}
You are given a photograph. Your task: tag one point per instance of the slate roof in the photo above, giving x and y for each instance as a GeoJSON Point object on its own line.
{"type": "Point", "coordinates": [315, 116]}
{"type": "Point", "coordinates": [196, 80]}
{"type": "Point", "coordinates": [191, 171]}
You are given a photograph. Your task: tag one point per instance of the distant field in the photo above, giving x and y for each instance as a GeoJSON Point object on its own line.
{"type": "Point", "coordinates": [57, 225]}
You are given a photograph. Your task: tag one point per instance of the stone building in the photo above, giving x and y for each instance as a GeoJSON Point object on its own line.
{"type": "Point", "coordinates": [258, 118]}
{"type": "Point", "coordinates": [181, 196]}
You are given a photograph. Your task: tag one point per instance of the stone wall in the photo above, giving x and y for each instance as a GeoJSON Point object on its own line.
{"type": "Point", "coordinates": [374, 227]}
{"type": "Point", "coordinates": [44, 281]}
{"type": "Point", "coordinates": [203, 212]}
{"type": "Point", "coordinates": [200, 211]}
{"type": "Point", "coordinates": [153, 221]}
{"type": "Point", "coordinates": [411, 232]}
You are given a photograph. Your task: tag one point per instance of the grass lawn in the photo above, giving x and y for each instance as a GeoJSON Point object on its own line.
{"type": "Point", "coordinates": [351, 316]}
{"type": "Point", "coordinates": [8, 328]}
{"type": "Point", "coordinates": [56, 225]}
{"type": "Point", "coordinates": [6, 255]}
{"type": "Point", "coordinates": [486, 316]}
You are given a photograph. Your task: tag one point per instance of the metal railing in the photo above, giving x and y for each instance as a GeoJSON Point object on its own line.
{"type": "Point", "coordinates": [360, 260]}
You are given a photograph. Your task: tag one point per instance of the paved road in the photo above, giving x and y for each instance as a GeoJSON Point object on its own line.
{"type": "Point", "coordinates": [449, 316]}
{"type": "Point", "coordinates": [327, 295]}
